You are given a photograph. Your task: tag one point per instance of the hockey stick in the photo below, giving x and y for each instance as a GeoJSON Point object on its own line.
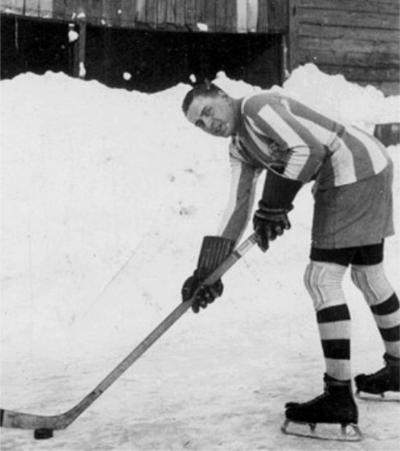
{"type": "Point", "coordinates": [43, 425]}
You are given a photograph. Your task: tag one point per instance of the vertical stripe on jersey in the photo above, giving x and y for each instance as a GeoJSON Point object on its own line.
{"type": "Point", "coordinates": [297, 138]}
{"type": "Point", "coordinates": [260, 148]}
{"type": "Point", "coordinates": [280, 127]}
{"type": "Point", "coordinates": [342, 161]}
{"type": "Point", "coordinates": [297, 167]}
{"type": "Point", "coordinates": [301, 110]}
{"type": "Point", "coordinates": [375, 151]}
{"type": "Point", "coordinates": [363, 163]}
{"type": "Point", "coordinates": [320, 133]}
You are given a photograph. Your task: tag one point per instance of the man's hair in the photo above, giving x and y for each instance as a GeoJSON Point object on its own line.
{"type": "Point", "coordinates": [205, 89]}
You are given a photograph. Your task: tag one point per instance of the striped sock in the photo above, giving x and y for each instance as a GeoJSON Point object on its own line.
{"type": "Point", "coordinates": [383, 302]}
{"type": "Point", "coordinates": [387, 318]}
{"type": "Point", "coordinates": [323, 281]}
{"type": "Point", "coordinates": [335, 331]}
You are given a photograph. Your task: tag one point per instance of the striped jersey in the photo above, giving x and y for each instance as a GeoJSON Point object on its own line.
{"type": "Point", "coordinates": [281, 134]}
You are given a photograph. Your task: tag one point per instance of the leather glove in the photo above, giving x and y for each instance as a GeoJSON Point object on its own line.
{"type": "Point", "coordinates": [214, 250]}
{"type": "Point", "coordinates": [205, 295]}
{"type": "Point", "coordinates": [269, 223]}
{"type": "Point", "coordinates": [271, 220]}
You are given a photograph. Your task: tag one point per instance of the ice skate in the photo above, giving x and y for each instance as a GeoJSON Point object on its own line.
{"type": "Point", "coordinates": [382, 381]}
{"type": "Point", "coordinates": [335, 406]}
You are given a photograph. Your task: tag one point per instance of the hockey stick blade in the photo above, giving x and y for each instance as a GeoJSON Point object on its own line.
{"type": "Point", "coordinates": [44, 425]}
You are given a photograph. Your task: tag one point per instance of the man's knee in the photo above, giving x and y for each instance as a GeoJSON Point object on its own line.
{"type": "Point", "coordinates": [372, 281]}
{"type": "Point", "coordinates": [324, 284]}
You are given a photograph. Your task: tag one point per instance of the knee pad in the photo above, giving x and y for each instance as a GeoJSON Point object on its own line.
{"type": "Point", "coordinates": [324, 284]}
{"type": "Point", "coordinates": [372, 282]}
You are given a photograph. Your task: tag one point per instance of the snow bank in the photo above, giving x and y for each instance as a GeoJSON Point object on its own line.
{"type": "Point", "coordinates": [106, 195]}
{"type": "Point", "coordinates": [98, 181]}
{"type": "Point", "coordinates": [334, 95]}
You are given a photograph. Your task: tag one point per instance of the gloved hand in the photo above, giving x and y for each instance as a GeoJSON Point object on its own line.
{"type": "Point", "coordinates": [205, 295]}
{"type": "Point", "coordinates": [271, 220]}
{"type": "Point", "coordinates": [214, 250]}
{"type": "Point", "coordinates": [269, 223]}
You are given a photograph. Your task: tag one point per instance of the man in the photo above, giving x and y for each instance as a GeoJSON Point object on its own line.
{"type": "Point", "coordinates": [352, 175]}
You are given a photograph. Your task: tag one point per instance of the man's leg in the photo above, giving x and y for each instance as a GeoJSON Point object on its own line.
{"type": "Point", "coordinates": [384, 305]}
{"type": "Point", "coordinates": [324, 283]}
{"type": "Point", "coordinates": [323, 280]}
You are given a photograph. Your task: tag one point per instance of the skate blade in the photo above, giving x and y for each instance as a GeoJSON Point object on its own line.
{"type": "Point", "coordinates": [323, 431]}
{"type": "Point", "coordinates": [388, 396]}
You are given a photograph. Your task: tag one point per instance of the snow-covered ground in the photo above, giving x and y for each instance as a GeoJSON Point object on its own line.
{"type": "Point", "coordinates": [105, 197]}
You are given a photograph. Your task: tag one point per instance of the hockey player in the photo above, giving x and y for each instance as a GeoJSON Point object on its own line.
{"type": "Point", "coordinates": [352, 175]}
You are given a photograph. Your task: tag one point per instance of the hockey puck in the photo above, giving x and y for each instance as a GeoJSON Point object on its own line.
{"type": "Point", "coordinates": [41, 434]}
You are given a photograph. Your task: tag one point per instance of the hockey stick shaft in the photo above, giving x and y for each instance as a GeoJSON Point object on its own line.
{"type": "Point", "coordinates": [21, 420]}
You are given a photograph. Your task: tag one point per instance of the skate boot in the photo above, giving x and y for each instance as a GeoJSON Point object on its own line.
{"type": "Point", "coordinates": [335, 406]}
{"type": "Point", "coordinates": [384, 380]}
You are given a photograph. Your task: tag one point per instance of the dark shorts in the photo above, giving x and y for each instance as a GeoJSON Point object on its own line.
{"type": "Point", "coordinates": [354, 215]}
{"type": "Point", "coordinates": [371, 254]}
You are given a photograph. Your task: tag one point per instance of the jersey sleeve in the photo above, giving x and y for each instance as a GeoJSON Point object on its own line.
{"type": "Point", "coordinates": [241, 199]}
{"type": "Point", "coordinates": [270, 116]}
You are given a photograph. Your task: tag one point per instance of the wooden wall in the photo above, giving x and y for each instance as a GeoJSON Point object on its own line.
{"type": "Point", "coordinates": [237, 16]}
{"type": "Point", "coordinates": [357, 38]}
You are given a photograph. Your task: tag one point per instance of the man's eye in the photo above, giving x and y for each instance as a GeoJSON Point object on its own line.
{"type": "Point", "coordinates": [199, 123]}
{"type": "Point", "coordinates": [207, 111]}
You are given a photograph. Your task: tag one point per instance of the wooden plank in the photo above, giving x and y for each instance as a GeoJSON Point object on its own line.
{"type": "Point", "coordinates": [252, 15]}
{"type": "Point", "coordinates": [81, 50]}
{"type": "Point", "coordinates": [94, 11]}
{"type": "Point", "coordinates": [190, 13]}
{"type": "Point", "coordinates": [151, 12]}
{"type": "Point", "coordinates": [277, 16]}
{"type": "Point", "coordinates": [10, 6]}
{"type": "Point", "coordinates": [230, 16]}
{"type": "Point", "coordinates": [201, 11]}
{"type": "Point", "coordinates": [349, 19]}
{"type": "Point", "coordinates": [389, 88]}
{"type": "Point", "coordinates": [161, 12]}
{"type": "Point", "coordinates": [375, 6]}
{"type": "Point", "coordinates": [171, 16]}
{"type": "Point", "coordinates": [220, 11]}
{"type": "Point", "coordinates": [141, 10]}
{"type": "Point", "coordinates": [70, 9]}
{"type": "Point", "coordinates": [210, 13]}
{"type": "Point", "coordinates": [180, 12]}
{"type": "Point", "coordinates": [345, 58]}
{"type": "Point", "coordinates": [46, 8]}
{"type": "Point", "coordinates": [128, 16]}
{"type": "Point", "coordinates": [345, 33]}
{"type": "Point", "coordinates": [359, 73]}
{"type": "Point", "coordinates": [112, 12]}
{"type": "Point", "coordinates": [59, 9]}
{"type": "Point", "coordinates": [293, 41]}
{"type": "Point", "coordinates": [241, 9]}
{"type": "Point", "coordinates": [352, 45]}
{"type": "Point", "coordinates": [262, 22]}
{"type": "Point", "coordinates": [32, 7]}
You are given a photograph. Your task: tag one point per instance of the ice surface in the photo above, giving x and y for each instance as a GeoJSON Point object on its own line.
{"type": "Point", "coordinates": [106, 195]}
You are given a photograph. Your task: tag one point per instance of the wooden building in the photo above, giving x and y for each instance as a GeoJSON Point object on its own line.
{"type": "Point", "coordinates": [162, 41]}
{"type": "Point", "coordinates": [357, 38]}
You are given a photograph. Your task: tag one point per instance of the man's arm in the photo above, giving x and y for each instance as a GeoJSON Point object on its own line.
{"type": "Point", "coordinates": [241, 199]}
{"type": "Point", "coordinates": [302, 151]}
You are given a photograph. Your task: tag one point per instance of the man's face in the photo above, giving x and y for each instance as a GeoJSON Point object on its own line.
{"type": "Point", "coordinates": [214, 115]}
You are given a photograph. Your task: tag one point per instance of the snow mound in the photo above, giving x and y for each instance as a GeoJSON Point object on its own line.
{"type": "Point", "coordinates": [346, 101]}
